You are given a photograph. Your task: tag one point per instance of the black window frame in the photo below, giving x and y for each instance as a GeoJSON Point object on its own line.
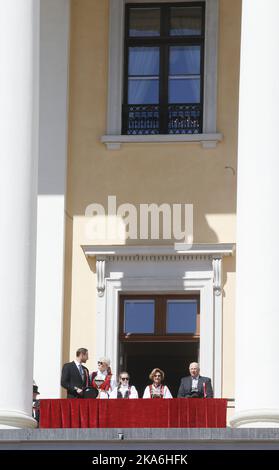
{"type": "Point", "coordinates": [160, 325]}
{"type": "Point", "coordinates": [163, 109]}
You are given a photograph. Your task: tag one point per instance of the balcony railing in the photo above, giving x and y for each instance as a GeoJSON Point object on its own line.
{"type": "Point", "coordinates": [152, 119]}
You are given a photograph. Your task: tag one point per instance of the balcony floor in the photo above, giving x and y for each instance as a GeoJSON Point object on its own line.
{"type": "Point", "coordinates": [136, 439]}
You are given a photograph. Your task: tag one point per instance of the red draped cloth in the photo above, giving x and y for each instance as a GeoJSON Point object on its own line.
{"type": "Point", "coordinates": [137, 413]}
{"type": "Point", "coordinates": [69, 413]}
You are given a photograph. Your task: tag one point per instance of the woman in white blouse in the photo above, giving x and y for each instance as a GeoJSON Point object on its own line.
{"type": "Point", "coordinates": [124, 390]}
{"type": "Point", "coordinates": [103, 379]}
{"type": "Point", "coordinates": [157, 389]}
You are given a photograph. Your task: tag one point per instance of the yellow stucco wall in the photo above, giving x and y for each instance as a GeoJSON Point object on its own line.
{"type": "Point", "coordinates": [145, 173]}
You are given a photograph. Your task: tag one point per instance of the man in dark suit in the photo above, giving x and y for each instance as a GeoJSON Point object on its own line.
{"type": "Point", "coordinates": [195, 386]}
{"type": "Point", "coordinates": [36, 403]}
{"type": "Point", "coordinates": [75, 377]}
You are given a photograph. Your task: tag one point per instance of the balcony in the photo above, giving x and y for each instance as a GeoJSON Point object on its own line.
{"type": "Point", "coordinates": [152, 119]}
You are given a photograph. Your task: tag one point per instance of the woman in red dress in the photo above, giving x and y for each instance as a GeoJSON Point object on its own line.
{"type": "Point", "coordinates": [103, 379]}
{"type": "Point", "coordinates": [157, 389]}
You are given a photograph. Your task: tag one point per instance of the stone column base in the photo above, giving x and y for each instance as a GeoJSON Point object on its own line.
{"type": "Point", "coordinates": [264, 418]}
{"type": "Point", "coordinates": [16, 420]}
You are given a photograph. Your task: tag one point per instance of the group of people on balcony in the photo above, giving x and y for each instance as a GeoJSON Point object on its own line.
{"type": "Point", "coordinates": [103, 383]}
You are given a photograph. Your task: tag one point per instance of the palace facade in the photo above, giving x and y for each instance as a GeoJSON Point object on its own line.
{"type": "Point", "coordinates": [111, 109]}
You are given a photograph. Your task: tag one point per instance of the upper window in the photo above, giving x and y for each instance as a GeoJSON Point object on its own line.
{"type": "Point", "coordinates": [163, 84]}
{"type": "Point", "coordinates": [159, 317]}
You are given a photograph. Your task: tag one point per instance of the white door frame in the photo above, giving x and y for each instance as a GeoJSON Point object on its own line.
{"type": "Point", "coordinates": [128, 273]}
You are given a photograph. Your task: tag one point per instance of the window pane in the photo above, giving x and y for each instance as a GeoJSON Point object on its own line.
{"type": "Point", "coordinates": [143, 91]}
{"type": "Point", "coordinates": [186, 21]}
{"type": "Point", "coordinates": [144, 22]}
{"type": "Point", "coordinates": [139, 316]}
{"type": "Point", "coordinates": [181, 316]}
{"type": "Point", "coordinates": [144, 61]}
{"type": "Point", "coordinates": [184, 60]}
{"type": "Point", "coordinates": [184, 90]}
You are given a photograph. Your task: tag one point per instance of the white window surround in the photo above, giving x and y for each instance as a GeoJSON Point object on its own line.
{"type": "Point", "coordinates": [113, 138]}
{"type": "Point", "coordinates": [161, 269]}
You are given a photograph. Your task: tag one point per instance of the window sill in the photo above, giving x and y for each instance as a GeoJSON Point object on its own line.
{"type": "Point", "coordinates": [208, 141]}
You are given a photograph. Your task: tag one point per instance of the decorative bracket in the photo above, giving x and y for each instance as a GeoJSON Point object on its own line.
{"type": "Point", "coordinates": [217, 275]}
{"type": "Point", "coordinates": [100, 271]}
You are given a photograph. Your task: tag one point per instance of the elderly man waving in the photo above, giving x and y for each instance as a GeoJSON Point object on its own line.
{"type": "Point", "coordinates": [195, 386]}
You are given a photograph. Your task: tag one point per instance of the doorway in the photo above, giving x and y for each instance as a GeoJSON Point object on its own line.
{"type": "Point", "coordinates": [158, 330]}
{"type": "Point", "coordinates": [173, 358]}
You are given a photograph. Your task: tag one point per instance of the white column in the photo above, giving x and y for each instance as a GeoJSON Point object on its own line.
{"type": "Point", "coordinates": [257, 307]}
{"type": "Point", "coordinates": [54, 41]}
{"type": "Point", "coordinates": [19, 33]}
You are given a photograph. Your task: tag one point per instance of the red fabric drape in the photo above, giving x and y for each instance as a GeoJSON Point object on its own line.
{"type": "Point", "coordinates": [69, 413]}
{"type": "Point", "coordinates": [166, 413]}
{"type": "Point", "coordinates": [134, 413]}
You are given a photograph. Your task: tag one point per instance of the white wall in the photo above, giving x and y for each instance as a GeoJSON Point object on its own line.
{"type": "Point", "coordinates": [54, 54]}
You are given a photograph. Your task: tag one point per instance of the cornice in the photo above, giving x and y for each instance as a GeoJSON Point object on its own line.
{"type": "Point", "coordinates": [178, 251]}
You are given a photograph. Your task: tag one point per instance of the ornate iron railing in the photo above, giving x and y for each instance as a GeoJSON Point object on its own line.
{"type": "Point", "coordinates": [154, 119]}
{"type": "Point", "coordinates": [140, 119]}
{"type": "Point", "coordinates": [184, 119]}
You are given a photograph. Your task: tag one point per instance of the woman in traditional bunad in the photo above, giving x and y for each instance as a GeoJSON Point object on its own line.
{"type": "Point", "coordinates": [124, 389]}
{"type": "Point", "coordinates": [157, 389]}
{"type": "Point", "coordinates": [103, 379]}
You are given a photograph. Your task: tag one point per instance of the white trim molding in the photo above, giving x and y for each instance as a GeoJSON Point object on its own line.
{"type": "Point", "coordinates": [207, 249]}
{"type": "Point", "coordinates": [161, 269]}
{"type": "Point", "coordinates": [217, 275]}
{"type": "Point", "coordinates": [113, 142]}
{"type": "Point", "coordinates": [113, 138]}
{"type": "Point", "coordinates": [218, 317]}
